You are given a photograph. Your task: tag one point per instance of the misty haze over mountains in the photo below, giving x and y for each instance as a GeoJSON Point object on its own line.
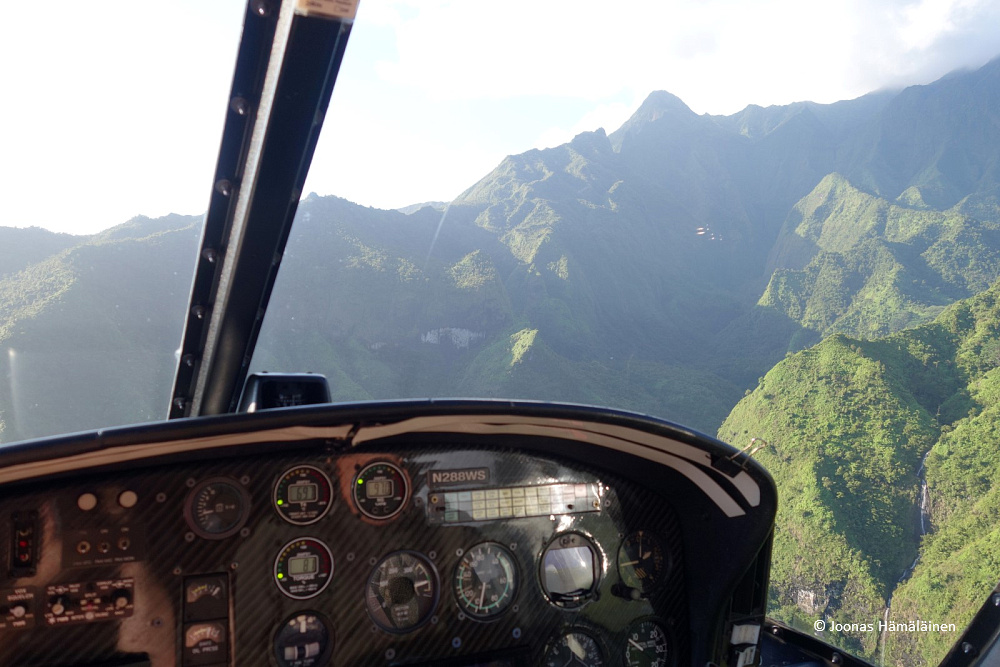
{"type": "Point", "coordinates": [676, 266]}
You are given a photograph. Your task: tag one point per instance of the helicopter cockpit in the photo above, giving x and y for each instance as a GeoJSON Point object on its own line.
{"type": "Point", "coordinates": [264, 525]}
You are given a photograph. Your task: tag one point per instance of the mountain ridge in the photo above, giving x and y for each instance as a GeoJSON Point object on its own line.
{"type": "Point", "coordinates": [809, 274]}
{"type": "Point", "coordinates": [676, 209]}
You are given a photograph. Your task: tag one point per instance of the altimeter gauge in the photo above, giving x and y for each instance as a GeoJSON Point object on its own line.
{"type": "Point", "coordinates": [402, 592]}
{"type": "Point", "coordinates": [486, 581]}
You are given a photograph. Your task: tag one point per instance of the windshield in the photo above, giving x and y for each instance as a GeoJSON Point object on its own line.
{"type": "Point", "coordinates": [108, 138]}
{"type": "Point", "coordinates": [581, 207]}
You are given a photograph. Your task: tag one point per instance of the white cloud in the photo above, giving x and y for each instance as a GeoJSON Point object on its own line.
{"type": "Point", "coordinates": [365, 157]}
{"type": "Point", "coordinates": [924, 23]}
{"type": "Point", "coordinates": [114, 117]}
{"type": "Point", "coordinates": [609, 116]}
{"type": "Point", "coordinates": [112, 113]}
{"type": "Point", "coordinates": [717, 55]}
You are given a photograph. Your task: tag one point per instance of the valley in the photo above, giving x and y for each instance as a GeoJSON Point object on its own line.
{"type": "Point", "coordinates": [823, 277]}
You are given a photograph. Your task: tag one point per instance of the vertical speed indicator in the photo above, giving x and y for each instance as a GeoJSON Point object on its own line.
{"type": "Point", "coordinates": [647, 645]}
{"type": "Point", "coordinates": [302, 495]}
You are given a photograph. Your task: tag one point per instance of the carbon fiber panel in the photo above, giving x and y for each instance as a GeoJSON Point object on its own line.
{"type": "Point", "coordinates": [164, 552]}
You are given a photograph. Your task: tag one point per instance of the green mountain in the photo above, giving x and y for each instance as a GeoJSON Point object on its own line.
{"type": "Point", "coordinates": [849, 423]}
{"type": "Point", "coordinates": [858, 264]}
{"type": "Point", "coordinates": [833, 265]}
{"type": "Point", "coordinates": [664, 268]}
{"type": "Point", "coordinates": [89, 333]}
{"type": "Point", "coordinates": [937, 139]}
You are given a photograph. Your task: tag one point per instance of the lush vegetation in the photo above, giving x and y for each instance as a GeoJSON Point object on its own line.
{"type": "Point", "coordinates": [88, 335]}
{"type": "Point", "coordinates": [849, 422]}
{"type": "Point", "coordinates": [809, 258]}
{"type": "Point", "coordinates": [873, 267]}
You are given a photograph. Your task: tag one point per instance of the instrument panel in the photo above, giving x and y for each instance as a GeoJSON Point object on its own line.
{"type": "Point", "coordinates": [430, 549]}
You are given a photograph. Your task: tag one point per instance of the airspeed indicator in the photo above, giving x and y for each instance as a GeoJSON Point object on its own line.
{"type": "Point", "coordinates": [485, 581]}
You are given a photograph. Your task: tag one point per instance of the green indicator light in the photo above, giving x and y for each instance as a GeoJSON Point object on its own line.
{"type": "Point", "coordinates": [361, 481]}
{"type": "Point", "coordinates": [281, 576]}
{"type": "Point", "coordinates": [281, 502]}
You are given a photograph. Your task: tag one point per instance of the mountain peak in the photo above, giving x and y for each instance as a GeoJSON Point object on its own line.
{"type": "Point", "coordinates": [659, 102]}
{"type": "Point", "coordinates": [591, 141]}
{"type": "Point", "coordinates": [658, 105]}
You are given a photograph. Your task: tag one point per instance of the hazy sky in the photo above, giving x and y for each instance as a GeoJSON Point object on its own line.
{"type": "Point", "coordinates": [115, 109]}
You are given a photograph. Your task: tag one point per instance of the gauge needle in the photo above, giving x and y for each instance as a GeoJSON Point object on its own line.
{"type": "Point", "coordinates": [482, 595]}
{"type": "Point", "coordinates": [636, 644]}
{"type": "Point", "coordinates": [631, 562]}
{"type": "Point", "coordinates": [576, 648]}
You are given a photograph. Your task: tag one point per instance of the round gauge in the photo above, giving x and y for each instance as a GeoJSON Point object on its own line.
{"type": "Point", "coordinates": [380, 490]}
{"type": "Point", "coordinates": [642, 561]}
{"type": "Point", "coordinates": [217, 508]}
{"type": "Point", "coordinates": [570, 570]}
{"type": "Point", "coordinates": [303, 568]}
{"type": "Point", "coordinates": [302, 495]}
{"type": "Point", "coordinates": [304, 640]}
{"type": "Point", "coordinates": [402, 592]}
{"type": "Point", "coordinates": [647, 645]}
{"type": "Point", "coordinates": [485, 580]}
{"type": "Point", "coordinates": [574, 649]}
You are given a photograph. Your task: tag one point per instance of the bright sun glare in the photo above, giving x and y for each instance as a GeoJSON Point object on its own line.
{"type": "Point", "coordinates": [116, 117]}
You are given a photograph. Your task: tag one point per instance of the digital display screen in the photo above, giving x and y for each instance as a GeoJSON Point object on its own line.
{"type": "Point", "coordinates": [305, 565]}
{"type": "Point", "coordinates": [302, 493]}
{"type": "Point", "coordinates": [569, 571]}
{"type": "Point", "coordinates": [379, 488]}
